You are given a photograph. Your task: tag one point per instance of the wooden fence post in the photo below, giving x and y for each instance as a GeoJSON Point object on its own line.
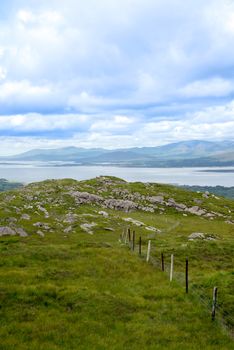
{"type": "Point", "coordinates": [186, 276]}
{"type": "Point", "coordinates": [162, 260]}
{"type": "Point", "coordinates": [126, 236]}
{"type": "Point", "coordinates": [140, 245]}
{"type": "Point", "coordinates": [129, 235]}
{"type": "Point", "coordinates": [215, 292]}
{"type": "Point", "coordinates": [172, 267]}
{"type": "Point", "coordinates": [148, 251]}
{"type": "Point", "coordinates": [133, 240]}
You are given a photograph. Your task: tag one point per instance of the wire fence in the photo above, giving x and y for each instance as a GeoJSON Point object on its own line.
{"type": "Point", "coordinates": [202, 295]}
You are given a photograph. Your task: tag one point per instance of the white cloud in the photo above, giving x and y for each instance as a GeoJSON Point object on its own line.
{"type": "Point", "coordinates": [12, 89]}
{"type": "Point", "coordinates": [45, 17]}
{"type": "Point", "coordinates": [117, 131]}
{"type": "Point", "coordinates": [25, 16]}
{"type": "Point", "coordinates": [209, 87]}
{"type": "Point", "coordinates": [39, 123]}
{"type": "Point", "coordinates": [3, 73]}
{"type": "Point", "coordinates": [137, 72]}
{"type": "Point", "coordinates": [113, 124]}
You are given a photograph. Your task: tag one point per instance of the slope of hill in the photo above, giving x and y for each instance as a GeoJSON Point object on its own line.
{"type": "Point", "coordinates": [68, 282]}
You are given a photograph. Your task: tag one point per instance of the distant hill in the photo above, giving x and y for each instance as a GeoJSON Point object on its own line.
{"type": "Point", "coordinates": [6, 185]}
{"type": "Point", "coordinates": [180, 154]}
{"type": "Point", "coordinates": [217, 190]}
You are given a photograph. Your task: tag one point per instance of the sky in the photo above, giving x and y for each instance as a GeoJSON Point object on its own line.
{"type": "Point", "coordinates": [115, 73]}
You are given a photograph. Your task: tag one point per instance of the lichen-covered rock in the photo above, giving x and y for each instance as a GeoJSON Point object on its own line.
{"type": "Point", "coordinates": [39, 207]}
{"type": "Point", "coordinates": [206, 194]}
{"type": "Point", "coordinates": [25, 217]}
{"type": "Point", "coordinates": [196, 210]}
{"type": "Point", "coordinates": [196, 235]}
{"type": "Point", "coordinates": [153, 229]}
{"type": "Point", "coordinates": [156, 199]}
{"type": "Point", "coordinates": [230, 222]}
{"type": "Point", "coordinates": [135, 222]}
{"type": "Point", "coordinates": [147, 209]}
{"type": "Point", "coordinates": [103, 213]}
{"type": "Point", "coordinates": [20, 232]}
{"type": "Point", "coordinates": [6, 231]}
{"type": "Point", "coordinates": [85, 197]}
{"type": "Point", "coordinates": [88, 227]}
{"type": "Point", "coordinates": [202, 236]}
{"type": "Point", "coordinates": [42, 225]}
{"type": "Point", "coordinates": [40, 233]}
{"type": "Point", "coordinates": [68, 229]}
{"type": "Point", "coordinates": [178, 206]}
{"type": "Point", "coordinates": [70, 218]}
{"type": "Point", "coordinates": [119, 204]}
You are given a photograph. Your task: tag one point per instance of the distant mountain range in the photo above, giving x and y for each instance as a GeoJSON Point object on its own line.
{"type": "Point", "coordinates": [180, 154]}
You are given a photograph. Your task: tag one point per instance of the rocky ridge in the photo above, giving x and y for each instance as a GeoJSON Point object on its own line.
{"type": "Point", "coordinates": [52, 205]}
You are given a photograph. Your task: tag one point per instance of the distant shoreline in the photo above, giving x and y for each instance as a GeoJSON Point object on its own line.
{"type": "Point", "coordinates": [218, 171]}
{"type": "Point", "coordinates": [42, 164]}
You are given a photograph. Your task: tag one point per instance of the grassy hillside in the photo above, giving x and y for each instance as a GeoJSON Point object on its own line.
{"type": "Point", "coordinates": [67, 282]}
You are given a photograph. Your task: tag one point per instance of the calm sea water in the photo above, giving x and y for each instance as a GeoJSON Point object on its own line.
{"type": "Point", "coordinates": [31, 172]}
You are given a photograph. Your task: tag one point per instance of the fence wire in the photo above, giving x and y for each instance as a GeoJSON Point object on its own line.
{"type": "Point", "coordinates": [225, 319]}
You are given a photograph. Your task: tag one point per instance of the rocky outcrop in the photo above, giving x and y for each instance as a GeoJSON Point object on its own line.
{"type": "Point", "coordinates": [156, 199]}
{"type": "Point", "coordinates": [119, 204]}
{"type": "Point", "coordinates": [201, 236]}
{"type": "Point", "coordinates": [196, 210]}
{"type": "Point", "coordinates": [196, 235]}
{"type": "Point", "coordinates": [86, 197]}
{"type": "Point", "coordinates": [8, 231]}
{"type": "Point", "coordinates": [25, 217]}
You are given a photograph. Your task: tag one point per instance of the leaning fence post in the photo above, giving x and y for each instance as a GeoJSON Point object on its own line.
{"type": "Point", "coordinates": [172, 267]}
{"type": "Point", "coordinates": [140, 245]}
{"type": "Point", "coordinates": [133, 240]}
{"type": "Point", "coordinates": [186, 275]}
{"type": "Point", "coordinates": [162, 260]}
{"type": "Point", "coordinates": [148, 251]}
{"type": "Point", "coordinates": [215, 292]}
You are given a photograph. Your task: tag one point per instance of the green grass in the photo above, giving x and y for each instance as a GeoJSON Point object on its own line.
{"type": "Point", "coordinates": [81, 291]}
{"type": "Point", "coordinates": [89, 292]}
